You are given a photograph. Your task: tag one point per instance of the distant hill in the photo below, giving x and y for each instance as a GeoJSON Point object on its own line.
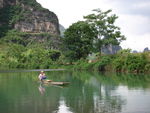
{"type": "Point", "coordinates": [146, 49]}
{"type": "Point", "coordinates": [111, 49]}
{"type": "Point", "coordinates": [62, 30]}
{"type": "Point", "coordinates": [134, 51]}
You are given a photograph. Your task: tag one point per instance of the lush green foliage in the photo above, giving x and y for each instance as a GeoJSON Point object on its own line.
{"type": "Point", "coordinates": [78, 40]}
{"type": "Point", "coordinates": [18, 50]}
{"type": "Point", "coordinates": [18, 56]}
{"type": "Point", "coordinates": [8, 16]}
{"type": "Point", "coordinates": [13, 36]}
{"type": "Point", "coordinates": [99, 64]}
{"type": "Point", "coordinates": [46, 40]}
{"type": "Point", "coordinates": [103, 25]}
{"type": "Point", "coordinates": [85, 37]}
{"type": "Point", "coordinates": [124, 61]}
{"type": "Point", "coordinates": [99, 30]}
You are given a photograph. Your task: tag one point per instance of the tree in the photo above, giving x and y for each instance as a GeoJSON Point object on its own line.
{"type": "Point", "coordinates": [78, 40]}
{"type": "Point", "coordinates": [103, 24]}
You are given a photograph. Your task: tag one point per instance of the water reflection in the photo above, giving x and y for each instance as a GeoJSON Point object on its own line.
{"type": "Point", "coordinates": [86, 98]}
{"type": "Point", "coordinates": [63, 108]}
{"type": "Point", "coordinates": [87, 93]}
{"type": "Point", "coordinates": [41, 89]}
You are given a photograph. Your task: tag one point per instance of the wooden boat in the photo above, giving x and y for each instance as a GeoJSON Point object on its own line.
{"type": "Point", "coordinates": [59, 83]}
{"type": "Point", "coordinates": [56, 83]}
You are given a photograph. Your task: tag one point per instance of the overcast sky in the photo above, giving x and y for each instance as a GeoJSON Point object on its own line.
{"type": "Point", "coordinates": [134, 16]}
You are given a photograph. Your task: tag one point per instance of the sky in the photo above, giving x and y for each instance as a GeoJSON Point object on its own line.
{"type": "Point", "coordinates": [134, 17]}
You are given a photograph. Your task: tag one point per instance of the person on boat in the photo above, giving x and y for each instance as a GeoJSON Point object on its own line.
{"type": "Point", "coordinates": [42, 76]}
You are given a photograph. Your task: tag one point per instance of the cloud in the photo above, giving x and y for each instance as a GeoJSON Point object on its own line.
{"type": "Point", "coordinates": [134, 24]}
{"type": "Point", "coordinates": [142, 8]}
{"type": "Point", "coordinates": [137, 42]}
{"type": "Point", "coordinates": [139, 7]}
{"type": "Point", "coordinates": [142, 5]}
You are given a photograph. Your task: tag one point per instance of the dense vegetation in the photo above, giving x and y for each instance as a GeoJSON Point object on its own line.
{"type": "Point", "coordinates": [82, 40]}
{"type": "Point", "coordinates": [123, 61]}
{"type": "Point", "coordinates": [11, 14]}
{"type": "Point", "coordinates": [78, 41]}
{"type": "Point", "coordinates": [89, 36]}
{"type": "Point", "coordinates": [18, 56]}
{"type": "Point", "coordinates": [8, 16]}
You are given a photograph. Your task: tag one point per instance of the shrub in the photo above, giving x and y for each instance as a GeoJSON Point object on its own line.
{"type": "Point", "coordinates": [54, 54]}
{"type": "Point", "coordinates": [135, 62]}
{"type": "Point", "coordinates": [118, 63]}
{"type": "Point", "coordinates": [104, 60]}
{"type": "Point", "coordinates": [147, 67]}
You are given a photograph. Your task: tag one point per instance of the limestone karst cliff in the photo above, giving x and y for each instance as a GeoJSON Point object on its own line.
{"type": "Point", "coordinates": [30, 17]}
{"type": "Point", "coordinates": [1, 3]}
{"type": "Point", "coordinates": [33, 18]}
{"type": "Point", "coordinates": [146, 49]}
{"type": "Point", "coordinates": [111, 49]}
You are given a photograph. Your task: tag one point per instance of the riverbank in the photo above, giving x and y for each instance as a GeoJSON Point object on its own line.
{"type": "Point", "coordinates": [124, 61]}
{"type": "Point", "coordinates": [38, 58]}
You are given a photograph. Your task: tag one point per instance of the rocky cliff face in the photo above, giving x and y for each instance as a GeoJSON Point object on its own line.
{"type": "Point", "coordinates": [4, 3]}
{"type": "Point", "coordinates": [146, 49]}
{"type": "Point", "coordinates": [39, 22]}
{"type": "Point", "coordinates": [28, 16]}
{"type": "Point", "coordinates": [33, 18]}
{"type": "Point", "coordinates": [1, 3]}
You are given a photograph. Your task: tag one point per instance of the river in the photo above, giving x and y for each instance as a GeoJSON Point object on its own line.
{"type": "Point", "coordinates": [88, 92]}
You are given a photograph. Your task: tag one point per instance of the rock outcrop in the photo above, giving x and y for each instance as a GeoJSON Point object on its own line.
{"type": "Point", "coordinates": [39, 24]}
{"type": "Point", "coordinates": [28, 16]}
{"type": "Point", "coordinates": [33, 18]}
{"type": "Point", "coordinates": [1, 3]}
{"type": "Point", "coordinates": [146, 49]}
{"type": "Point", "coordinates": [134, 51]}
{"type": "Point", "coordinates": [5, 3]}
{"type": "Point", "coordinates": [111, 49]}
{"type": "Point", "coordinates": [62, 30]}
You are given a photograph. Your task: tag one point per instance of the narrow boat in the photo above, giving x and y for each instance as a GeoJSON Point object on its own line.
{"type": "Point", "coordinates": [59, 83]}
{"type": "Point", "coordinates": [56, 83]}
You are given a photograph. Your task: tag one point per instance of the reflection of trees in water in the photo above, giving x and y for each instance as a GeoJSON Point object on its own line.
{"type": "Point", "coordinates": [87, 93]}
{"type": "Point", "coordinates": [92, 93]}
{"type": "Point", "coordinates": [129, 80]}
{"type": "Point", "coordinates": [79, 98]}
{"type": "Point", "coordinates": [106, 102]}
{"type": "Point", "coordinates": [19, 94]}
{"type": "Point", "coordinates": [84, 98]}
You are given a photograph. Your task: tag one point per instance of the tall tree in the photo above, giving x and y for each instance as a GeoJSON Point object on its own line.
{"type": "Point", "coordinates": [103, 24]}
{"type": "Point", "coordinates": [78, 40]}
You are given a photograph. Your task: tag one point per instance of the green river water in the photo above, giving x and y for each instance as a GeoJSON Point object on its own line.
{"type": "Point", "coordinates": [88, 92]}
